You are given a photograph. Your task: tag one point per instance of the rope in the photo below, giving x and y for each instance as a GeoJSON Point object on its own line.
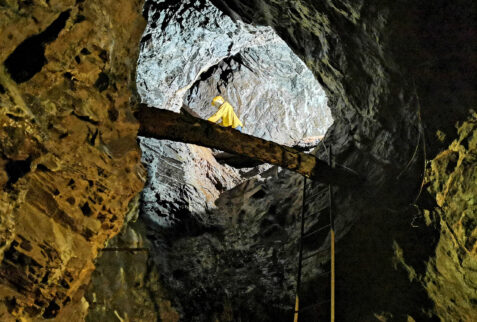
{"type": "Point", "coordinates": [421, 135]}
{"type": "Point", "coordinates": [412, 158]}
{"type": "Point", "coordinates": [424, 151]}
{"type": "Point", "coordinates": [300, 254]}
{"type": "Point", "coordinates": [324, 146]}
{"type": "Point", "coordinates": [332, 247]}
{"type": "Point", "coordinates": [424, 154]}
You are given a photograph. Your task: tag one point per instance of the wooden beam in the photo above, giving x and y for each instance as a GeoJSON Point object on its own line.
{"type": "Point", "coordinates": [163, 124]}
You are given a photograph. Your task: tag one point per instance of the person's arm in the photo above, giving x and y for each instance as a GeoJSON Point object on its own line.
{"type": "Point", "coordinates": [214, 118]}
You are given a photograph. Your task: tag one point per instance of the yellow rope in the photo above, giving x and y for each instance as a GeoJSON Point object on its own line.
{"type": "Point", "coordinates": [296, 309]}
{"type": "Point", "coordinates": [332, 275]}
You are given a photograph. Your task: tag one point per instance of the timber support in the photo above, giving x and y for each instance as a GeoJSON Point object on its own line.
{"type": "Point", "coordinates": [163, 124]}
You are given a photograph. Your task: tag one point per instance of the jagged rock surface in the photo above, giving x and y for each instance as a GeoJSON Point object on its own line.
{"type": "Point", "coordinates": [451, 276]}
{"type": "Point", "coordinates": [69, 159]}
{"type": "Point", "coordinates": [183, 40]}
{"type": "Point", "coordinates": [380, 64]}
{"type": "Point", "coordinates": [209, 54]}
{"type": "Point", "coordinates": [125, 285]}
{"type": "Point", "coordinates": [183, 180]}
{"type": "Point", "coordinates": [192, 45]}
{"type": "Point", "coordinates": [274, 94]}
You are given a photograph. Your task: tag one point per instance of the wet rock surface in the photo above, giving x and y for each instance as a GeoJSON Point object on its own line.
{"type": "Point", "coordinates": [69, 159]}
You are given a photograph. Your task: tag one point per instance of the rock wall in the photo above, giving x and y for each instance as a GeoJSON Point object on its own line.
{"type": "Point", "coordinates": [372, 60]}
{"type": "Point", "coordinates": [273, 93]}
{"type": "Point", "coordinates": [190, 52]}
{"type": "Point", "coordinates": [183, 180]}
{"type": "Point", "coordinates": [191, 36]}
{"type": "Point", "coordinates": [451, 275]}
{"type": "Point", "coordinates": [207, 54]}
{"type": "Point", "coordinates": [399, 256]}
{"type": "Point", "coordinates": [348, 47]}
{"type": "Point", "coordinates": [125, 285]}
{"type": "Point", "coordinates": [69, 159]}
{"type": "Point", "coordinates": [381, 64]}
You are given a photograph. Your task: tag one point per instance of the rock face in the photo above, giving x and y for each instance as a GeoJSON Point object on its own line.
{"type": "Point", "coordinates": [125, 285]}
{"type": "Point", "coordinates": [366, 56]}
{"type": "Point", "coordinates": [399, 256]}
{"type": "Point", "coordinates": [191, 36]}
{"type": "Point", "coordinates": [377, 132]}
{"type": "Point", "coordinates": [190, 52]}
{"type": "Point", "coordinates": [69, 159]}
{"type": "Point", "coordinates": [274, 94]}
{"type": "Point", "coordinates": [184, 179]}
{"type": "Point", "coordinates": [209, 54]}
{"type": "Point", "coordinates": [451, 276]}
{"type": "Point", "coordinates": [244, 269]}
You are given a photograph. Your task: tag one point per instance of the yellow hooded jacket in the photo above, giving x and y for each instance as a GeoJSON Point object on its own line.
{"type": "Point", "coordinates": [229, 118]}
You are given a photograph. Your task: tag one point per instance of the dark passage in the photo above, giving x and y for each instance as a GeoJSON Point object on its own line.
{"type": "Point", "coordinates": [29, 57]}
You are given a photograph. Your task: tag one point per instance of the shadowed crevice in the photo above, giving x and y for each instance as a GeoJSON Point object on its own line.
{"type": "Point", "coordinates": [29, 57]}
{"type": "Point", "coordinates": [16, 169]}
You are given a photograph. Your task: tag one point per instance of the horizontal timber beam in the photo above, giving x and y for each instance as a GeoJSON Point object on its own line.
{"type": "Point", "coordinates": [166, 125]}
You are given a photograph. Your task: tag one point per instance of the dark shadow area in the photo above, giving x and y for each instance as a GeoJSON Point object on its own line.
{"type": "Point", "coordinates": [29, 57]}
{"type": "Point", "coordinates": [371, 268]}
{"type": "Point", "coordinates": [440, 53]}
{"type": "Point", "coordinates": [236, 161]}
{"type": "Point", "coordinates": [16, 169]}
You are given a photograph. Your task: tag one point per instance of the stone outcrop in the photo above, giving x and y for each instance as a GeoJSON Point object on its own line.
{"type": "Point", "coordinates": [184, 180]}
{"type": "Point", "coordinates": [192, 36]}
{"type": "Point", "coordinates": [451, 275]}
{"type": "Point", "coordinates": [243, 267]}
{"type": "Point", "coordinates": [373, 62]}
{"type": "Point", "coordinates": [272, 91]}
{"type": "Point", "coordinates": [69, 160]}
{"type": "Point", "coordinates": [389, 70]}
{"type": "Point", "coordinates": [126, 285]}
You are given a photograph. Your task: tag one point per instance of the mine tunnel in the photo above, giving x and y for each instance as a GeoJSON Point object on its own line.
{"type": "Point", "coordinates": [348, 195]}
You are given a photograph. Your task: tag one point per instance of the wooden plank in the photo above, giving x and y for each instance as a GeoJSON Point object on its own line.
{"type": "Point", "coordinates": [164, 124]}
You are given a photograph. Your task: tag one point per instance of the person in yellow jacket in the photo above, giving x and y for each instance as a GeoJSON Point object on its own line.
{"type": "Point", "coordinates": [226, 113]}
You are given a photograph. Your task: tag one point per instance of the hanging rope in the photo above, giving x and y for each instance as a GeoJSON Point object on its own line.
{"type": "Point", "coordinates": [315, 231]}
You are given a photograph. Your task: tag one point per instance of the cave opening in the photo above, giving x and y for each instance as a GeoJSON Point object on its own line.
{"type": "Point", "coordinates": [196, 195]}
{"type": "Point", "coordinates": [188, 55]}
{"type": "Point", "coordinates": [215, 231]}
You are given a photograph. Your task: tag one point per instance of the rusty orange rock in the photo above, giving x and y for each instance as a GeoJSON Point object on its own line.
{"type": "Point", "coordinates": [69, 158]}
